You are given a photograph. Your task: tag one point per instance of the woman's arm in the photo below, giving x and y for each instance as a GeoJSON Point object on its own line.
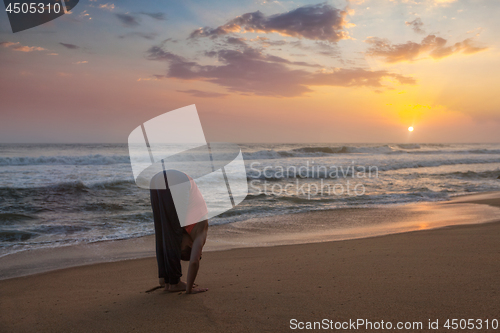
{"type": "Point", "coordinates": [194, 261]}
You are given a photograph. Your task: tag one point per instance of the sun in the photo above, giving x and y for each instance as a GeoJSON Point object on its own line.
{"type": "Point", "coordinates": [410, 128]}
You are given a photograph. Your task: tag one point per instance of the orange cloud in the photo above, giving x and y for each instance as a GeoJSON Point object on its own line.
{"type": "Point", "coordinates": [22, 48]}
{"type": "Point", "coordinates": [431, 46]}
{"type": "Point", "coordinates": [108, 6]}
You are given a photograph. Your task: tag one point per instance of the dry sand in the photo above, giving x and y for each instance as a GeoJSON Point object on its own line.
{"type": "Point", "coordinates": [452, 272]}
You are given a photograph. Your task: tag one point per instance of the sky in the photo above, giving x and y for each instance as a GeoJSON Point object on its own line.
{"type": "Point", "coordinates": [359, 71]}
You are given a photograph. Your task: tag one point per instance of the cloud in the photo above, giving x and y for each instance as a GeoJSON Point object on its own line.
{"type": "Point", "coordinates": [157, 16]}
{"type": "Point", "coordinates": [81, 62]}
{"type": "Point", "coordinates": [127, 20]}
{"type": "Point", "coordinates": [266, 42]}
{"type": "Point", "coordinates": [236, 41]}
{"type": "Point", "coordinates": [84, 15]}
{"type": "Point", "coordinates": [416, 25]}
{"type": "Point", "coordinates": [315, 22]}
{"type": "Point", "coordinates": [203, 94]}
{"type": "Point", "coordinates": [70, 46]}
{"type": "Point", "coordinates": [157, 53]}
{"type": "Point", "coordinates": [432, 46]}
{"type": "Point", "coordinates": [251, 53]}
{"type": "Point", "coordinates": [145, 35]}
{"type": "Point", "coordinates": [467, 47]}
{"type": "Point", "coordinates": [107, 6]}
{"type": "Point", "coordinates": [443, 2]}
{"type": "Point", "coordinates": [426, 2]}
{"type": "Point", "coordinates": [152, 78]}
{"type": "Point", "coordinates": [358, 77]}
{"type": "Point", "coordinates": [319, 47]}
{"type": "Point", "coordinates": [252, 72]}
{"type": "Point", "coordinates": [21, 48]}
{"type": "Point", "coordinates": [327, 49]}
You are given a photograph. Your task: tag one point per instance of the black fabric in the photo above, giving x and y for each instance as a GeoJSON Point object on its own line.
{"type": "Point", "coordinates": [168, 234]}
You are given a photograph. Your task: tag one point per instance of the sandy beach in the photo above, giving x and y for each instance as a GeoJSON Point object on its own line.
{"type": "Point", "coordinates": [439, 274]}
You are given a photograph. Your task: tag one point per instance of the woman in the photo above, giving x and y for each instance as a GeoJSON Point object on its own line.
{"type": "Point", "coordinates": [177, 201]}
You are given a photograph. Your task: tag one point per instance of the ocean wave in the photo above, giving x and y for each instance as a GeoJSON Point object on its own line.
{"type": "Point", "coordinates": [76, 186]}
{"type": "Point", "coordinates": [99, 159]}
{"type": "Point", "coordinates": [16, 236]}
{"type": "Point", "coordinates": [112, 184]}
{"type": "Point", "coordinates": [245, 211]}
{"type": "Point", "coordinates": [492, 174]}
{"type": "Point", "coordinates": [376, 150]}
{"type": "Point", "coordinates": [408, 146]}
{"type": "Point", "coordinates": [59, 229]}
{"type": "Point", "coordinates": [5, 218]}
{"type": "Point", "coordinates": [146, 217]}
{"type": "Point", "coordinates": [256, 196]}
{"type": "Point", "coordinates": [266, 154]}
{"type": "Point", "coordinates": [301, 203]}
{"type": "Point", "coordinates": [457, 152]}
{"type": "Point", "coordinates": [435, 163]}
{"type": "Point", "coordinates": [304, 201]}
{"type": "Point", "coordinates": [102, 206]}
{"type": "Point", "coordinates": [482, 151]}
{"type": "Point", "coordinates": [279, 173]}
{"type": "Point", "coordinates": [96, 159]}
{"type": "Point", "coordinates": [318, 152]}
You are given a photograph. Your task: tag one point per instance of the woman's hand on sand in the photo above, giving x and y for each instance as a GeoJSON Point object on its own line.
{"type": "Point", "coordinates": [197, 290]}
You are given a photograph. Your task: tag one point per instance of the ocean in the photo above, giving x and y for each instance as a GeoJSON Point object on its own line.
{"type": "Point", "coordinates": [61, 194]}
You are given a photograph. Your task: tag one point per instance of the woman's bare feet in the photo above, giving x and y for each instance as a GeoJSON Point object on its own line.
{"type": "Point", "coordinates": [197, 290]}
{"type": "Point", "coordinates": [181, 286]}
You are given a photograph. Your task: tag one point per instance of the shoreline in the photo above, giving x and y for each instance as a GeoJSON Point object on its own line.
{"type": "Point", "coordinates": [245, 235]}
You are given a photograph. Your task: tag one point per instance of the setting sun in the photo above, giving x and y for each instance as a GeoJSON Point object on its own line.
{"type": "Point", "coordinates": [410, 128]}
